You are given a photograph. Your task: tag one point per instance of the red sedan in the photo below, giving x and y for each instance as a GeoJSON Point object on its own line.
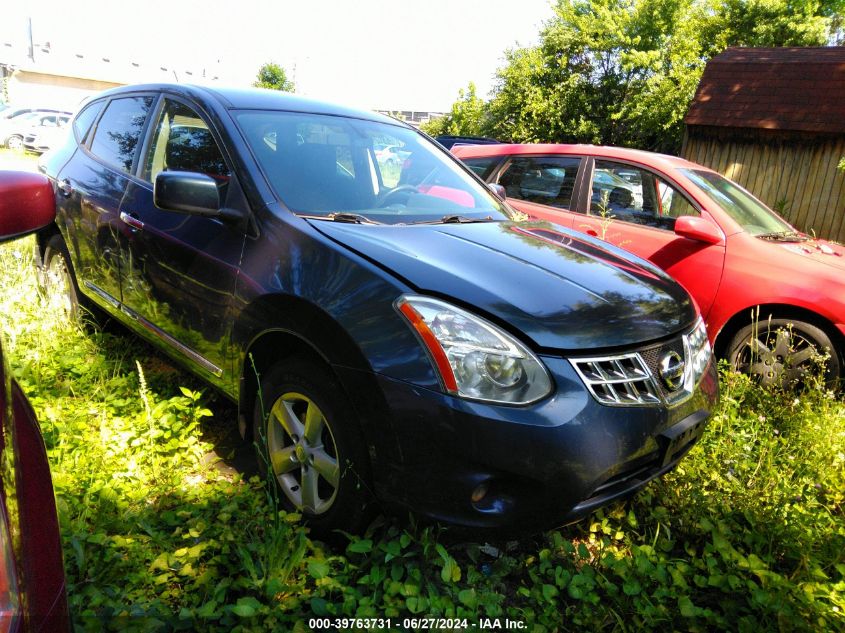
{"type": "Point", "coordinates": [731, 252]}
{"type": "Point", "coordinates": [32, 581]}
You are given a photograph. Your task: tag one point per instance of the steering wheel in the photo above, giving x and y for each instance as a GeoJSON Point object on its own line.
{"type": "Point", "coordinates": [387, 195]}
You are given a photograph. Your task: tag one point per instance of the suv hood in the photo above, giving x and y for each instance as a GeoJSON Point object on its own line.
{"type": "Point", "coordinates": [561, 290]}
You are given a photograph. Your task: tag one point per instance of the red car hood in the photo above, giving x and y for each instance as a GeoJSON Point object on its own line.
{"type": "Point", "coordinates": [821, 251]}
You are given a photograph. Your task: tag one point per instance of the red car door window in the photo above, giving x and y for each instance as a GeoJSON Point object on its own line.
{"type": "Point", "coordinates": [532, 181]}
{"type": "Point", "coordinates": [542, 179]}
{"type": "Point", "coordinates": [635, 195]}
{"type": "Point", "coordinates": [482, 166]}
{"type": "Point", "coordinates": [636, 209]}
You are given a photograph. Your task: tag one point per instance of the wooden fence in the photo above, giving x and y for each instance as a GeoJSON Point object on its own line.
{"type": "Point", "coordinates": [799, 179]}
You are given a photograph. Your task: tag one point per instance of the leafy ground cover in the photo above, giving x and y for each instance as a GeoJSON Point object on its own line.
{"type": "Point", "coordinates": [748, 534]}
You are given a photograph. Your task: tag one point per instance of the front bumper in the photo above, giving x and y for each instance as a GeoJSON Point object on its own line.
{"type": "Point", "coordinates": [543, 465]}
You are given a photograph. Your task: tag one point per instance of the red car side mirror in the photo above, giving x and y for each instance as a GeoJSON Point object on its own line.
{"type": "Point", "coordinates": [27, 204]}
{"type": "Point", "coordinates": [498, 189]}
{"type": "Point", "coordinates": [699, 229]}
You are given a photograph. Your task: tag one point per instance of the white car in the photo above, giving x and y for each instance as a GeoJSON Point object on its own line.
{"type": "Point", "coordinates": [391, 155]}
{"type": "Point", "coordinates": [46, 132]}
{"type": "Point", "coordinates": [15, 128]}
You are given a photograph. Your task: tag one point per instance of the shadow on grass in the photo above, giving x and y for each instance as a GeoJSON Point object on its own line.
{"type": "Point", "coordinates": [121, 347]}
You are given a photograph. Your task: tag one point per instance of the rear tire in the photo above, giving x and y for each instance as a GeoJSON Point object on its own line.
{"type": "Point", "coordinates": [59, 280]}
{"type": "Point", "coordinates": [310, 446]}
{"type": "Point", "coordinates": [59, 284]}
{"type": "Point", "coordinates": [783, 351]}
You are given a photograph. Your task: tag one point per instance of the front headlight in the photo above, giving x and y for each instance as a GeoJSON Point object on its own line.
{"type": "Point", "coordinates": [700, 351]}
{"type": "Point", "coordinates": [475, 359]}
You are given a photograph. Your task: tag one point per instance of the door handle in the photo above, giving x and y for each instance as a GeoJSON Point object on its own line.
{"type": "Point", "coordinates": [65, 187]}
{"type": "Point", "coordinates": [131, 220]}
{"type": "Point", "coordinates": [592, 233]}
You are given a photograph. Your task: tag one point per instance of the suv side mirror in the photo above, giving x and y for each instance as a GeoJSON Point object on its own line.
{"type": "Point", "coordinates": [192, 193]}
{"type": "Point", "coordinates": [699, 229]}
{"type": "Point", "coordinates": [187, 192]}
{"type": "Point", "coordinates": [27, 204]}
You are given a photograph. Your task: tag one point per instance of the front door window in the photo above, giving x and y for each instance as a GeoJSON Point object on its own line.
{"type": "Point", "coordinates": [630, 194]}
{"type": "Point", "coordinates": [183, 142]}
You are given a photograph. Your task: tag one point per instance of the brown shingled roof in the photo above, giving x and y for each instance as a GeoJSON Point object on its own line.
{"type": "Point", "coordinates": [796, 89]}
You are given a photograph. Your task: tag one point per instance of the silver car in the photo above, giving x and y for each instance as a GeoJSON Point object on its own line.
{"type": "Point", "coordinates": [14, 129]}
{"type": "Point", "coordinates": [48, 132]}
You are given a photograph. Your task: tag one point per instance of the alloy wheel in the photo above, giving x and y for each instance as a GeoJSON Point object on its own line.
{"type": "Point", "coordinates": [303, 453]}
{"type": "Point", "coordinates": [773, 356]}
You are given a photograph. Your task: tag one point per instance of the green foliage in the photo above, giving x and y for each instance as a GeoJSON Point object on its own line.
{"type": "Point", "coordinates": [623, 72]}
{"type": "Point", "coordinates": [467, 117]}
{"type": "Point", "coordinates": [747, 534]}
{"type": "Point", "coordinates": [773, 22]}
{"type": "Point", "coordinates": [273, 77]}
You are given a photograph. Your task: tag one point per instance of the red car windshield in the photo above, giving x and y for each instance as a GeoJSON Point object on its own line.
{"type": "Point", "coordinates": [754, 216]}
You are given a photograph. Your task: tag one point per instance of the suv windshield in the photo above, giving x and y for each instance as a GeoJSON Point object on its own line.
{"type": "Point", "coordinates": [754, 216]}
{"type": "Point", "coordinates": [343, 168]}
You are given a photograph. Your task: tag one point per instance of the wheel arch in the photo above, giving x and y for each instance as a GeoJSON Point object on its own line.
{"type": "Point", "coordinates": [266, 350]}
{"type": "Point", "coordinates": [275, 327]}
{"type": "Point", "coordinates": [780, 311]}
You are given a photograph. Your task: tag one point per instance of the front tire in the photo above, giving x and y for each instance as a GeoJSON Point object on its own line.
{"type": "Point", "coordinates": [783, 351]}
{"type": "Point", "coordinates": [14, 142]}
{"type": "Point", "coordinates": [311, 448]}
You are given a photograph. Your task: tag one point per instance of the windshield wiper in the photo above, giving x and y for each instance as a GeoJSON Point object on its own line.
{"type": "Point", "coordinates": [456, 219]}
{"type": "Point", "coordinates": [784, 236]}
{"type": "Point", "coordinates": [462, 219]}
{"type": "Point", "coordinates": [351, 218]}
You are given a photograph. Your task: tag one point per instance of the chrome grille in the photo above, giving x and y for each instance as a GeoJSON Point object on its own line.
{"type": "Point", "coordinates": [622, 380]}
{"type": "Point", "coordinates": [652, 357]}
{"type": "Point", "coordinates": [634, 378]}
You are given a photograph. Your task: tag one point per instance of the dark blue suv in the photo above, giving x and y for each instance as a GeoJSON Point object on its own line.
{"type": "Point", "coordinates": [390, 331]}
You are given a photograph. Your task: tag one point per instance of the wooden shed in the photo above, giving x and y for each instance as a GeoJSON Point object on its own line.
{"type": "Point", "coordinates": [773, 120]}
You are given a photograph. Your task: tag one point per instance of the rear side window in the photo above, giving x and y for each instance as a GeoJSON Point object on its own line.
{"type": "Point", "coordinates": [481, 166]}
{"type": "Point", "coordinates": [542, 179]}
{"type": "Point", "coordinates": [82, 122]}
{"type": "Point", "coordinates": [119, 130]}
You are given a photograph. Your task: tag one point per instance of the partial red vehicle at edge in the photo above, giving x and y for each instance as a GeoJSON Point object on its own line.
{"type": "Point", "coordinates": [32, 580]}
{"type": "Point", "coordinates": [730, 251]}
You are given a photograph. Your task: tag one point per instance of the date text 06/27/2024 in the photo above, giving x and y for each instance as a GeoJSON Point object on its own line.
{"type": "Point", "coordinates": [417, 623]}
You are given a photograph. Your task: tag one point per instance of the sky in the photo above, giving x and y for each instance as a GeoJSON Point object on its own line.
{"type": "Point", "coordinates": [380, 54]}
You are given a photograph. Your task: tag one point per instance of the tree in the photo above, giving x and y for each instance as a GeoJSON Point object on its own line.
{"type": "Point", "coordinates": [775, 22]}
{"type": "Point", "coordinates": [466, 118]}
{"type": "Point", "coordinates": [274, 77]}
{"type": "Point", "coordinates": [623, 72]}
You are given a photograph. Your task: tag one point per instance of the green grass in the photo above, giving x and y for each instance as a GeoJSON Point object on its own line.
{"type": "Point", "coordinates": [748, 534]}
